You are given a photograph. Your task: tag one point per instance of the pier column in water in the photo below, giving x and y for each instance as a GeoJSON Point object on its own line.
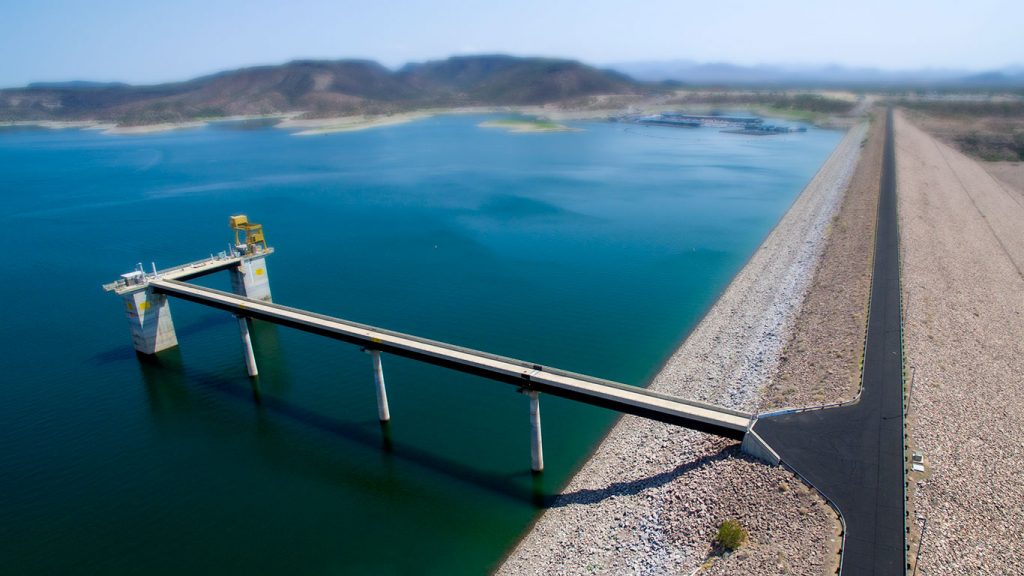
{"type": "Point", "coordinates": [382, 394]}
{"type": "Point", "coordinates": [149, 319]}
{"type": "Point", "coordinates": [250, 279]}
{"type": "Point", "coordinates": [536, 444]}
{"type": "Point", "coordinates": [250, 357]}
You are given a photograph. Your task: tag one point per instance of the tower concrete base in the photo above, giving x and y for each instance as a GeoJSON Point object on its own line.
{"type": "Point", "coordinates": [250, 279]}
{"type": "Point", "coordinates": [149, 319]}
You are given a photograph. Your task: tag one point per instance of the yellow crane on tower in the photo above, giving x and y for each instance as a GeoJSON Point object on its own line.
{"type": "Point", "coordinates": [248, 235]}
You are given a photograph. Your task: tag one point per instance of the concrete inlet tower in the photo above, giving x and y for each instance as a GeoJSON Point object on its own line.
{"type": "Point", "coordinates": [250, 278]}
{"type": "Point", "coordinates": [148, 312]}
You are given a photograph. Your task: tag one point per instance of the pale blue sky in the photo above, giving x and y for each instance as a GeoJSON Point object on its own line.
{"type": "Point", "coordinates": [144, 41]}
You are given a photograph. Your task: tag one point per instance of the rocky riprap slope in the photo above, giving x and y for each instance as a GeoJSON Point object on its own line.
{"type": "Point", "coordinates": [652, 495]}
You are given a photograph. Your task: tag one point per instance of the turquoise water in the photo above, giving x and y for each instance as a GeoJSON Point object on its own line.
{"type": "Point", "coordinates": [594, 251]}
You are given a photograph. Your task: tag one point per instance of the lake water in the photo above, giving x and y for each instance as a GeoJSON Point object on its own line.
{"type": "Point", "coordinates": [594, 251]}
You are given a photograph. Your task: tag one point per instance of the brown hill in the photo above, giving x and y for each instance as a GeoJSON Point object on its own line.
{"type": "Point", "coordinates": [320, 88]}
{"type": "Point", "coordinates": [509, 80]}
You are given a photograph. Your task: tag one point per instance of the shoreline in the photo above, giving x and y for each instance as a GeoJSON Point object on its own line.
{"type": "Point", "coordinates": [319, 126]}
{"type": "Point", "coordinates": [526, 126]}
{"type": "Point", "coordinates": [151, 128]}
{"type": "Point", "coordinates": [315, 126]}
{"type": "Point", "coordinates": [681, 483]}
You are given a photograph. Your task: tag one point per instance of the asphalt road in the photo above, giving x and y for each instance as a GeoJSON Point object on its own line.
{"type": "Point", "coordinates": [854, 454]}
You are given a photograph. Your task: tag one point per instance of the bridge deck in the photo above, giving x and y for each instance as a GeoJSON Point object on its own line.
{"type": "Point", "coordinates": [188, 271]}
{"type": "Point", "coordinates": [621, 397]}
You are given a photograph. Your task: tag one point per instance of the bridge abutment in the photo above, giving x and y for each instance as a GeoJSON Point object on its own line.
{"type": "Point", "coordinates": [754, 445]}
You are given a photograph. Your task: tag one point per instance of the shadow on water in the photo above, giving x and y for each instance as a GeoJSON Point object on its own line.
{"type": "Point", "coordinates": [126, 352]}
{"type": "Point", "coordinates": [168, 382]}
{"type": "Point", "coordinates": [266, 344]}
{"type": "Point", "coordinates": [385, 435]}
{"type": "Point", "coordinates": [114, 355]}
{"type": "Point", "coordinates": [166, 394]}
{"type": "Point", "coordinates": [155, 371]}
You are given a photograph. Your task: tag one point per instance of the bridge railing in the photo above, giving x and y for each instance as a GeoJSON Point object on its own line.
{"type": "Point", "coordinates": [526, 366]}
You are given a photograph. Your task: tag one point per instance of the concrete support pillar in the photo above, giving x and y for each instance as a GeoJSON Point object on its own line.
{"type": "Point", "coordinates": [149, 319]}
{"type": "Point", "coordinates": [250, 279]}
{"type": "Point", "coordinates": [382, 394]}
{"type": "Point", "coordinates": [536, 443]}
{"type": "Point", "coordinates": [250, 357]}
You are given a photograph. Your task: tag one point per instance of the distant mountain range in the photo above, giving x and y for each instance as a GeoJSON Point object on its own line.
{"type": "Point", "coordinates": [325, 88]}
{"type": "Point", "coordinates": [702, 74]}
{"type": "Point", "coordinates": [320, 88]}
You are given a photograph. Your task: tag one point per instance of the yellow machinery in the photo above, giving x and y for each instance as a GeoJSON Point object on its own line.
{"type": "Point", "coordinates": [253, 239]}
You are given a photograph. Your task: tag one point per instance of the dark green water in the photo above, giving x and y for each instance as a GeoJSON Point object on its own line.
{"type": "Point", "coordinates": [594, 251]}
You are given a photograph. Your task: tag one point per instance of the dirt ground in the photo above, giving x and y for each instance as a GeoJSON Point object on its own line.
{"type": "Point", "coordinates": [962, 239]}
{"type": "Point", "coordinates": [821, 361]}
{"type": "Point", "coordinates": [984, 131]}
{"type": "Point", "coordinates": [1009, 174]}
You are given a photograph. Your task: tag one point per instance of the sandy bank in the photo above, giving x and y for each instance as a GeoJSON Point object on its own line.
{"type": "Point", "coordinates": [316, 126]}
{"type": "Point", "coordinates": [312, 127]}
{"type": "Point", "coordinates": [115, 129]}
{"type": "Point", "coordinates": [153, 128]}
{"type": "Point", "coordinates": [59, 125]}
{"type": "Point", "coordinates": [962, 237]}
{"type": "Point", "coordinates": [527, 126]}
{"type": "Point", "coordinates": [650, 498]}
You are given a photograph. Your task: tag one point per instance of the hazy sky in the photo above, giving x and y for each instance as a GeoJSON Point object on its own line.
{"type": "Point", "coordinates": [147, 41]}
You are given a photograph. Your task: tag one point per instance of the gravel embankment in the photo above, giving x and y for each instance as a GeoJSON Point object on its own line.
{"type": "Point", "coordinates": [652, 495]}
{"type": "Point", "coordinates": [821, 362]}
{"type": "Point", "coordinates": [962, 237]}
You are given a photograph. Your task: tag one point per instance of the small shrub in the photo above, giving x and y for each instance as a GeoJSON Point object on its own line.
{"type": "Point", "coordinates": [731, 535]}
